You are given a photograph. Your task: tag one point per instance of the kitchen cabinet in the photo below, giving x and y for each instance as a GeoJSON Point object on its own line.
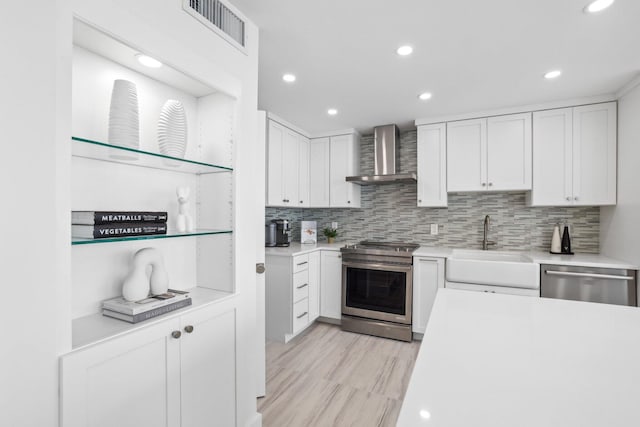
{"type": "Point", "coordinates": [489, 154]}
{"type": "Point", "coordinates": [291, 294]}
{"type": "Point", "coordinates": [319, 172]}
{"type": "Point", "coordinates": [176, 372]}
{"type": "Point", "coordinates": [287, 167]}
{"type": "Point", "coordinates": [344, 155]}
{"type": "Point", "coordinates": [331, 285]}
{"type": "Point", "coordinates": [303, 171]}
{"type": "Point", "coordinates": [432, 165]}
{"type": "Point", "coordinates": [574, 156]}
{"type": "Point", "coordinates": [428, 277]}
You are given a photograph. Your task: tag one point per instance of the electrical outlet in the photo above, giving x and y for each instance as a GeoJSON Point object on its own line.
{"type": "Point", "coordinates": [334, 225]}
{"type": "Point", "coordinates": [434, 229]}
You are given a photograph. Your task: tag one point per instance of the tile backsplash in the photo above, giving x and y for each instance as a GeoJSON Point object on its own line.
{"type": "Point", "coordinates": [389, 213]}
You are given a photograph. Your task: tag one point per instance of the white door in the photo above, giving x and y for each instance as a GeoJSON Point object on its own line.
{"type": "Point", "coordinates": [432, 165]}
{"type": "Point", "coordinates": [319, 179]}
{"type": "Point", "coordinates": [314, 285]}
{"type": "Point", "coordinates": [331, 285]}
{"type": "Point", "coordinates": [428, 276]}
{"type": "Point", "coordinates": [259, 215]}
{"type": "Point", "coordinates": [303, 171]}
{"type": "Point", "coordinates": [275, 147]}
{"type": "Point", "coordinates": [594, 154]}
{"type": "Point", "coordinates": [291, 145]}
{"type": "Point", "coordinates": [208, 368]}
{"type": "Point", "coordinates": [129, 381]}
{"type": "Point", "coordinates": [552, 157]}
{"type": "Point", "coordinates": [509, 152]}
{"type": "Point", "coordinates": [467, 155]}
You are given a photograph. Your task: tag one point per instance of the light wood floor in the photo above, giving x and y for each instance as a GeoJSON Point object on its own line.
{"type": "Point", "coordinates": [328, 377]}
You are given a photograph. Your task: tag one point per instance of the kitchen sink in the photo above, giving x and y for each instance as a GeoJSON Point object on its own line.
{"type": "Point", "coordinates": [496, 268]}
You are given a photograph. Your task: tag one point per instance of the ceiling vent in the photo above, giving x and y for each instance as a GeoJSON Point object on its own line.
{"type": "Point", "coordinates": [220, 18]}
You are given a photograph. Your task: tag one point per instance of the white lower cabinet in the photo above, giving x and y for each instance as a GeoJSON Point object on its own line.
{"type": "Point", "coordinates": [331, 285]}
{"type": "Point", "coordinates": [291, 295]}
{"type": "Point", "coordinates": [428, 276]}
{"type": "Point", "coordinates": [160, 375]}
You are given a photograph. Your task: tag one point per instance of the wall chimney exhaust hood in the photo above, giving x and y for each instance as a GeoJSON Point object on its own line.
{"type": "Point", "coordinates": [386, 152]}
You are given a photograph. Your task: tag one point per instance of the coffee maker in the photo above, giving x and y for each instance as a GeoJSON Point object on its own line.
{"type": "Point", "coordinates": [270, 235]}
{"type": "Point", "coordinates": [283, 231]}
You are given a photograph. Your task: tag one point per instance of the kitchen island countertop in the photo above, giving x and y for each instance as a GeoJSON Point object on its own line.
{"type": "Point", "coordinates": [503, 360]}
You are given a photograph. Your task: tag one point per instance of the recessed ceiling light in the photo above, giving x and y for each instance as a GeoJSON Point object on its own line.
{"type": "Point", "coordinates": [289, 78]}
{"type": "Point", "coordinates": [424, 96]}
{"type": "Point", "coordinates": [148, 61]}
{"type": "Point", "coordinates": [332, 111]}
{"type": "Point", "coordinates": [598, 5]}
{"type": "Point", "coordinates": [552, 74]}
{"type": "Point", "coordinates": [404, 50]}
{"type": "Point", "coordinates": [425, 414]}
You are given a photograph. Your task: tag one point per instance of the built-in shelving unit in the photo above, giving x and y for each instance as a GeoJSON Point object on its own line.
{"type": "Point", "coordinates": [96, 150]}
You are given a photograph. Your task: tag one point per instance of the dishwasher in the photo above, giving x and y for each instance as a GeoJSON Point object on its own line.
{"type": "Point", "coordinates": [593, 284]}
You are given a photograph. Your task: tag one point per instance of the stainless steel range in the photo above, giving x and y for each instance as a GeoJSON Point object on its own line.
{"type": "Point", "coordinates": [377, 288]}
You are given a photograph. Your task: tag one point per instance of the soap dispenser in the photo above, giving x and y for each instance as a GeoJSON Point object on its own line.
{"type": "Point", "coordinates": [566, 241]}
{"type": "Point", "coordinates": [555, 240]}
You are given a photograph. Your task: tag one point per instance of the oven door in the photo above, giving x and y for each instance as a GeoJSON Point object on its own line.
{"type": "Point", "coordinates": [377, 291]}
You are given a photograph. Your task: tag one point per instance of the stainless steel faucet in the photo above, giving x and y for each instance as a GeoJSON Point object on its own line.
{"type": "Point", "coordinates": [485, 242]}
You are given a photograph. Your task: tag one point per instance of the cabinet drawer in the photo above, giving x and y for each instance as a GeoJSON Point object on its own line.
{"type": "Point", "coordinates": [300, 263]}
{"type": "Point", "coordinates": [300, 315]}
{"type": "Point", "coordinates": [300, 285]}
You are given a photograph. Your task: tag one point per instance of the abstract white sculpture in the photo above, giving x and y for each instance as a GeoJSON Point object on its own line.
{"type": "Point", "coordinates": [136, 285]}
{"type": "Point", "coordinates": [184, 221]}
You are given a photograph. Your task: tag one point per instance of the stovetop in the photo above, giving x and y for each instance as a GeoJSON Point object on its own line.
{"type": "Point", "coordinates": [391, 248]}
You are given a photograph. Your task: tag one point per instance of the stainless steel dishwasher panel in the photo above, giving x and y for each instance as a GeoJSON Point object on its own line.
{"type": "Point", "coordinates": [605, 285]}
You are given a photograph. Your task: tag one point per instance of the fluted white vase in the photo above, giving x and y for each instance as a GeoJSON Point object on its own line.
{"type": "Point", "coordinates": [124, 121]}
{"type": "Point", "coordinates": [172, 129]}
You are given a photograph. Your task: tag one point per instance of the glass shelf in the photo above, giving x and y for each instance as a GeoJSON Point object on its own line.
{"type": "Point", "coordinates": [113, 153]}
{"type": "Point", "coordinates": [170, 234]}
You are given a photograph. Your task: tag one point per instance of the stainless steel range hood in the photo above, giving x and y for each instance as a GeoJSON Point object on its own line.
{"type": "Point", "coordinates": [386, 149]}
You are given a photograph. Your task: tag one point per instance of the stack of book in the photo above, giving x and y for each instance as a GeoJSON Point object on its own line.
{"type": "Point", "coordinates": [153, 306]}
{"type": "Point", "coordinates": [110, 224]}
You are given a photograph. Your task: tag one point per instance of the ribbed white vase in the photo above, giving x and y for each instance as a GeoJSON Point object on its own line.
{"type": "Point", "coordinates": [124, 121]}
{"type": "Point", "coordinates": [172, 129]}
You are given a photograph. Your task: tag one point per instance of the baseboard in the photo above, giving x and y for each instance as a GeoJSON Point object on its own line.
{"type": "Point", "coordinates": [329, 320]}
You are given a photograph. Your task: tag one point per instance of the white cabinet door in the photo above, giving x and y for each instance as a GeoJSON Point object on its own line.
{"type": "Point", "coordinates": [594, 154]}
{"type": "Point", "coordinates": [432, 165]}
{"type": "Point", "coordinates": [303, 171]}
{"type": "Point", "coordinates": [208, 368]}
{"type": "Point", "coordinates": [428, 276]}
{"type": "Point", "coordinates": [331, 285]}
{"type": "Point", "coordinates": [129, 381]}
{"type": "Point", "coordinates": [552, 157]}
{"type": "Point", "coordinates": [290, 150]}
{"type": "Point", "coordinates": [343, 155]}
{"type": "Point", "coordinates": [314, 285]}
{"type": "Point", "coordinates": [466, 155]}
{"type": "Point", "coordinates": [319, 178]}
{"type": "Point", "coordinates": [509, 152]}
{"type": "Point", "coordinates": [275, 168]}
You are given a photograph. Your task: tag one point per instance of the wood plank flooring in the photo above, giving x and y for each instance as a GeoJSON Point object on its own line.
{"type": "Point", "coordinates": [328, 377]}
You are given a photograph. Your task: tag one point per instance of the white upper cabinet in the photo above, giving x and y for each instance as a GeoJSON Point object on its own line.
{"type": "Point", "coordinates": [509, 152]}
{"type": "Point", "coordinates": [303, 171]}
{"type": "Point", "coordinates": [344, 161]}
{"type": "Point", "coordinates": [319, 179]}
{"type": "Point", "coordinates": [432, 165]}
{"type": "Point", "coordinates": [574, 156]}
{"type": "Point", "coordinates": [491, 154]}
{"type": "Point", "coordinates": [284, 158]}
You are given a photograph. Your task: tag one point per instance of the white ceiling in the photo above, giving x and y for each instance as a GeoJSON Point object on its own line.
{"type": "Point", "coordinates": [472, 55]}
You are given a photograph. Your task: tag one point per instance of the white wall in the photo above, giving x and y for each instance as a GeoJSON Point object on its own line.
{"type": "Point", "coordinates": [619, 226]}
{"type": "Point", "coordinates": [35, 123]}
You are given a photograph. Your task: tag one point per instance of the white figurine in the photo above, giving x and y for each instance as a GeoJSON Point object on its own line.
{"type": "Point", "coordinates": [184, 222]}
{"type": "Point", "coordinates": [136, 285]}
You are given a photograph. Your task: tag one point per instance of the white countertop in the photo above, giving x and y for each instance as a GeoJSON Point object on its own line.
{"type": "Point", "coordinates": [539, 257]}
{"type": "Point", "coordinates": [295, 248]}
{"type": "Point", "coordinates": [493, 360]}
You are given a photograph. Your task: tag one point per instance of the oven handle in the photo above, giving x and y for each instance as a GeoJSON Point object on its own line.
{"type": "Point", "coordinates": [377, 266]}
